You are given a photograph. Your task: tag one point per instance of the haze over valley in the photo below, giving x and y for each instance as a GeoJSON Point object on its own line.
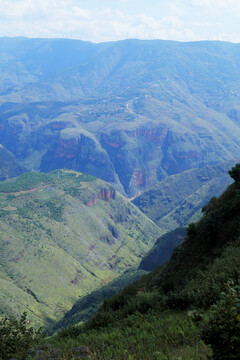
{"type": "Point", "coordinates": [130, 112]}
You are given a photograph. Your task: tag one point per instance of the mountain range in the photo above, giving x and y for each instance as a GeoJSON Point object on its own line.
{"type": "Point", "coordinates": [129, 112]}
{"type": "Point", "coordinates": [188, 306]}
{"type": "Point", "coordinates": [109, 153]}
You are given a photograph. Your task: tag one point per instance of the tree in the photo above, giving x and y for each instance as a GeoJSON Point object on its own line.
{"type": "Point", "coordinates": [222, 329]}
{"type": "Point", "coordinates": [235, 173]}
{"type": "Point", "coordinates": [15, 337]}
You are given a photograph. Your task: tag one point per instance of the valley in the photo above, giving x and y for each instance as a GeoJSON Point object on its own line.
{"type": "Point", "coordinates": [177, 200]}
{"type": "Point", "coordinates": [130, 112]}
{"type": "Point", "coordinates": [183, 306]}
{"type": "Point", "coordinates": [119, 222]}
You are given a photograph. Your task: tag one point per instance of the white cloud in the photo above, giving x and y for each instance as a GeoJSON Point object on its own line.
{"type": "Point", "coordinates": [103, 20]}
{"type": "Point", "coordinates": [220, 4]}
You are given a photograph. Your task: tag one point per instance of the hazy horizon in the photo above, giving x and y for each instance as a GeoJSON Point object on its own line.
{"type": "Point", "coordinates": [105, 20]}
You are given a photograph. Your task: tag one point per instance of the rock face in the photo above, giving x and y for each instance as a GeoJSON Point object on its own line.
{"type": "Point", "coordinates": [130, 112]}
{"type": "Point", "coordinates": [105, 194]}
{"type": "Point", "coordinates": [142, 157]}
{"type": "Point", "coordinates": [81, 153]}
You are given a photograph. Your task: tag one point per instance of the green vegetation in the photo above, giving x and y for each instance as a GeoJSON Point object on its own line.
{"type": "Point", "coordinates": [153, 336]}
{"type": "Point", "coordinates": [63, 235]}
{"type": "Point", "coordinates": [26, 181]}
{"type": "Point", "coordinates": [16, 337]}
{"type": "Point", "coordinates": [163, 249]}
{"type": "Point", "coordinates": [188, 308]}
{"type": "Point", "coordinates": [84, 308]}
{"type": "Point", "coordinates": [199, 284]}
{"type": "Point", "coordinates": [222, 329]}
{"type": "Point", "coordinates": [9, 167]}
{"type": "Point", "coordinates": [198, 269]}
{"type": "Point", "coordinates": [235, 173]}
{"type": "Point", "coordinates": [177, 200]}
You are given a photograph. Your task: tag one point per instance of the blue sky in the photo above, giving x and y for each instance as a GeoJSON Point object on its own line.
{"type": "Point", "coordinates": [107, 20]}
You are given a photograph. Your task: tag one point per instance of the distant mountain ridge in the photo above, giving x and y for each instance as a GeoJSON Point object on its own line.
{"type": "Point", "coordinates": [177, 200]}
{"type": "Point", "coordinates": [130, 112]}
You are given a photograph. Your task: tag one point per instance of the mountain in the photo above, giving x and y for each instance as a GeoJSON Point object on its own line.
{"type": "Point", "coordinates": [178, 197]}
{"type": "Point", "coordinates": [162, 249]}
{"type": "Point", "coordinates": [198, 269]}
{"type": "Point", "coordinates": [9, 167]}
{"type": "Point", "coordinates": [86, 306]}
{"type": "Point", "coordinates": [149, 318]}
{"type": "Point", "coordinates": [63, 235]}
{"type": "Point", "coordinates": [130, 112]}
{"type": "Point", "coordinates": [177, 200]}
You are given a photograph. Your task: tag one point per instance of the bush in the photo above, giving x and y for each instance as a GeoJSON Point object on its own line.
{"type": "Point", "coordinates": [235, 173]}
{"type": "Point", "coordinates": [15, 337]}
{"type": "Point", "coordinates": [222, 329]}
{"type": "Point", "coordinates": [70, 332]}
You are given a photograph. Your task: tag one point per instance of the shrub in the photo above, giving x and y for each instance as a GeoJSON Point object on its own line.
{"type": "Point", "coordinates": [235, 173]}
{"type": "Point", "coordinates": [70, 332]}
{"type": "Point", "coordinates": [15, 337]}
{"type": "Point", "coordinates": [222, 329]}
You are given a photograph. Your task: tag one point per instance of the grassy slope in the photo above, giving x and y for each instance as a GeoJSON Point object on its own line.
{"type": "Point", "coordinates": [54, 248]}
{"type": "Point", "coordinates": [197, 270]}
{"type": "Point", "coordinates": [9, 167]}
{"type": "Point", "coordinates": [85, 307]}
{"type": "Point", "coordinates": [196, 182]}
{"type": "Point", "coordinates": [193, 278]}
{"type": "Point", "coordinates": [162, 249]}
{"type": "Point", "coordinates": [165, 336]}
{"type": "Point", "coordinates": [177, 200]}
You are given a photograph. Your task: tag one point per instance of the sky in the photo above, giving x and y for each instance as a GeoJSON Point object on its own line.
{"type": "Point", "coordinates": [110, 20]}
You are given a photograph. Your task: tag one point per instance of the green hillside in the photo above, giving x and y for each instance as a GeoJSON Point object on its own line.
{"type": "Point", "coordinates": [161, 252]}
{"type": "Point", "coordinates": [63, 235]}
{"type": "Point", "coordinates": [194, 296]}
{"type": "Point", "coordinates": [178, 199]}
{"type": "Point", "coordinates": [9, 167]}
{"type": "Point", "coordinates": [162, 249]}
{"type": "Point", "coordinates": [84, 308]}
{"type": "Point", "coordinates": [199, 267]}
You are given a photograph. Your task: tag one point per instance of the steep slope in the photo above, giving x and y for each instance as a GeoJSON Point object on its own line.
{"type": "Point", "coordinates": [198, 270]}
{"type": "Point", "coordinates": [9, 167]}
{"type": "Point", "coordinates": [149, 319]}
{"type": "Point", "coordinates": [62, 235]}
{"type": "Point", "coordinates": [162, 249]}
{"type": "Point", "coordinates": [130, 112]}
{"type": "Point", "coordinates": [85, 307]}
{"type": "Point", "coordinates": [177, 200]}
